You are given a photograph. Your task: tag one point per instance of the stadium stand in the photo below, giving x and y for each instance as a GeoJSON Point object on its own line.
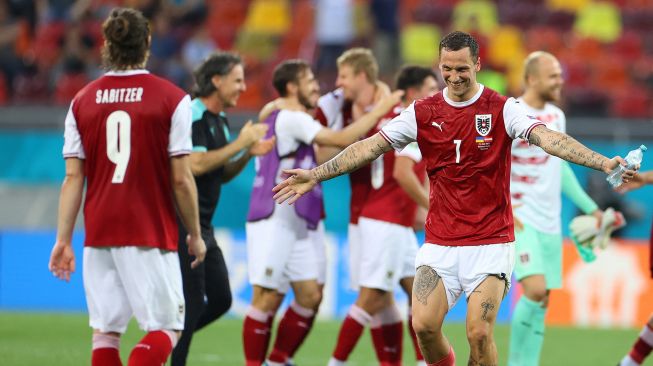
{"type": "Point", "coordinates": [55, 49]}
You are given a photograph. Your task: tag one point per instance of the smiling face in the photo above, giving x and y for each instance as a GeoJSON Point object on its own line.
{"type": "Point", "coordinates": [308, 89]}
{"type": "Point", "coordinates": [230, 86]}
{"type": "Point", "coordinates": [459, 70]}
{"type": "Point", "coordinates": [546, 79]}
{"type": "Point", "coordinates": [350, 81]}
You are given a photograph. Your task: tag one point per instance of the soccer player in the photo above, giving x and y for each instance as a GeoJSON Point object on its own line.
{"type": "Point", "coordinates": [644, 343]}
{"type": "Point", "coordinates": [127, 136]}
{"type": "Point", "coordinates": [358, 90]}
{"type": "Point", "coordinates": [280, 247]}
{"type": "Point", "coordinates": [215, 160]}
{"type": "Point", "coordinates": [386, 256]}
{"type": "Point", "coordinates": [469, 230]}
{"type": "Point", "coordinates": [537, 180]}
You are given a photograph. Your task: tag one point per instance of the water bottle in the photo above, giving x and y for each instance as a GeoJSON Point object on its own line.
{"type": "Point", "coordinates": [633, 158]}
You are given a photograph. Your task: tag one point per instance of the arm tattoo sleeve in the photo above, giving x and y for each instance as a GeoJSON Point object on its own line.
{"type": "Point", "coordinates": [567, 148]}
{"type": "Point", "coordinates": [353, 157]}
{"type": "Point", "coordinates": [426, 280]}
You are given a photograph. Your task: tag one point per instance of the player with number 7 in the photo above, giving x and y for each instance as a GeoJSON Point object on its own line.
{"type": "Point", "coordinates": [465, 134]}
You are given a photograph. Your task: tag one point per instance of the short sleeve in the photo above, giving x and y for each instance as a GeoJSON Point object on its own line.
{"type": "Point", "coordinates": [180, 130]}
{"type": "Point", "coordinates": [299, 126]}
{"type": "Point", "coordinates": [401, 130]}
{"type": "Point", "coordinates": [518, 122]}
{"type": "Point", "coordinates": [72, 146]}
{"type": "Point", "coordinates": [411, 151]}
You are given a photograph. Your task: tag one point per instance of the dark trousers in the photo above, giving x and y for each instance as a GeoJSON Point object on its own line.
{"type": "Point", "coordinates": [207, 294]}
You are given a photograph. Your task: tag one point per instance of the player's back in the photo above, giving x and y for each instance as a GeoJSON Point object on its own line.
{"type": "Point", "coordinates": [125, 122]}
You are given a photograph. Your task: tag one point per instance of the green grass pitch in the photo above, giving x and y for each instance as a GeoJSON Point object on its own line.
{"type": "Point", "coordinates": [59, 339]}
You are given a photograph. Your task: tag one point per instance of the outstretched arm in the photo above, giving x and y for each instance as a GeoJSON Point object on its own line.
{"type": "Point", "coordinates": [568, 148]}
{"type": "Point", "coordinates": [350, 159]}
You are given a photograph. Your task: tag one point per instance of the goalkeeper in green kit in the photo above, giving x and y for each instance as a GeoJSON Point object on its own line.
{"type": "Point", "coordinates": [537, 181]}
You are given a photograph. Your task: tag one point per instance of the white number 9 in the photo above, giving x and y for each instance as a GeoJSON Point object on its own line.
{"type": "Point", "coordinates": [119, 143]}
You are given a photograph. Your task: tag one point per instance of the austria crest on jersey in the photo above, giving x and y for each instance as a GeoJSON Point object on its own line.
{"type": "Point", "coordinates": [483, 123]}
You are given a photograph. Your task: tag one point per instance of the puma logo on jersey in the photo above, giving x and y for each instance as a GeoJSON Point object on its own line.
{"type": "Point", "coordinates": [438, 125]}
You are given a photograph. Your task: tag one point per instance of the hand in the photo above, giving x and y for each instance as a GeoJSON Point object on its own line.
{"type": "Point", "coordinates": [635, 183]}
{"type": "Point", "coordinates": [62, 261]}
{"type": "Point", "coordinates": [599, 216]}
{"type": "Point", "coordinates": [299, 182]}
{"type": "Point", "coordinates": [251, 133]}
{"type": "Point", "coordinates": [262, 147]}
{"type": "Point", "coordinates": [387, 103]}
{"type": "Point", "coordinates": [628, 173]}
{"type": "Point", "coordinates": [197, 248]}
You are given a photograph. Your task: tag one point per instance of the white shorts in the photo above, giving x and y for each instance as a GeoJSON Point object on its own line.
{"type": "Point", "coordinates": [464, 268]}
{"type": "Point", "coordinates": [121, 282]}
{"type": "Point", "coordinates": [353, 240]}
{"type": "Point", "coordinates": [280, 250]}
{"type": "Point", "coordinates": [316, 238]}
{"type": "Point", "coordinates": [384, 254]}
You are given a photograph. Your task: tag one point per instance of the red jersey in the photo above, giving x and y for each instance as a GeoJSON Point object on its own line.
{"type": "Point", "coordinates": [126, 125]}
{"type": "Point", "coordinates": [386, 200]}
{"type": "Point", "coordinates": [335, 112]}
{"type": "Point", "coordinates": [466, 147]}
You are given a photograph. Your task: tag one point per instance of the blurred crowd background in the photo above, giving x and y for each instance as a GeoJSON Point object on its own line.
{"type": "Point", "coordinates": [49, 49]}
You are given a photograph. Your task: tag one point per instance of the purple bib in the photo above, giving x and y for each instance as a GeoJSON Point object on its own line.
{"type": "Point", "coordinates": [309, 206]}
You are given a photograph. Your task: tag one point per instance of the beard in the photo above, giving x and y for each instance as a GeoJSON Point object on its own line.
{"type": "Point", "coordinates": [305, 100]}
{"type": "Point", "coordinates": [550, 95]}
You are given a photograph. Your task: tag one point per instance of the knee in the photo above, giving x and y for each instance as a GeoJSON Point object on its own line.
{"type": "Point", "coordinates": [478, 334]}
{"type": "Point", "coordinates": [309, 299]}
{"type": "Point", "coordinates": [220, 305]}
{"type": "Point", "coordinates": [423, 328]}
{"type": "Point", "coordinates": [265, 299]}
{"type": "Point", "coordinates": [538, 295]}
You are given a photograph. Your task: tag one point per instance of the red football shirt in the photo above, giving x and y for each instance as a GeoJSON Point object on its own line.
{"type": "Point", "coordinates": [126, 125]}
{"type": "Point", "coordinates": [386, 200]}
{"type": "Point", "coordinates": [335, 112]}
{"type": "Point", "coordinates": [466, 147]}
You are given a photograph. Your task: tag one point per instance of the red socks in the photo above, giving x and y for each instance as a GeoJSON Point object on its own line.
{"type": "Point", "coordinates": [256, 336]}
{"type": "Point", "coordinates": [448, 360]}
{"type": "Point", "coordinates": [153, 349]}
{"type": "Point", "coordinates": [106, 350]}
{"type": "Point", "coordinates": [293, 329]}
{"type": "Point", "coordinates": [350, 331]}
{"type": "Point", "coordinates": [387, 332]}
{"type": "Point", "coordinates": [642, 348]}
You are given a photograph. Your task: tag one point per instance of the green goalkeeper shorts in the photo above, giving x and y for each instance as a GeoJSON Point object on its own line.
{"type": "Point", "coordinates": [538, 253]}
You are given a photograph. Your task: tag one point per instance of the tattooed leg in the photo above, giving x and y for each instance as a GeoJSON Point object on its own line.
{"type": "Point", "coordinates": [426, 280]}
{"type": "Point", "coordinates": [482, 309]}
{"type": "Point", "coordinates": [429, 308]}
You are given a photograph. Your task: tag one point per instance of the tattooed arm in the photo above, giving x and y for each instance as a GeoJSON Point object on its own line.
{"type": "Point", "coordinates": [568, 148]}
{"type": "Point", "coordinates": [350, 159]}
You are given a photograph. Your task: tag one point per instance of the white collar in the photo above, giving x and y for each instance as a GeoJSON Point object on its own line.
{"type": "Point", "coordinates": [464, 103]}
{"type": "Point", "coordinates": [127, 72]}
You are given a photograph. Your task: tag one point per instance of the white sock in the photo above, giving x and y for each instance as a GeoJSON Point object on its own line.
{"type": "Point", "coordinates": [272, 363]}
{"type": "Point", "coordinates": [334, 362]}
{"type": "Point", "coordinates": [627, 361]}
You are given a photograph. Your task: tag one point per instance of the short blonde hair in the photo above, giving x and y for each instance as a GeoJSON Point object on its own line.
{"type": "Point", "coordinates": [531, 63]}
{"type": "Point", "coordinates": [361, 60]}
